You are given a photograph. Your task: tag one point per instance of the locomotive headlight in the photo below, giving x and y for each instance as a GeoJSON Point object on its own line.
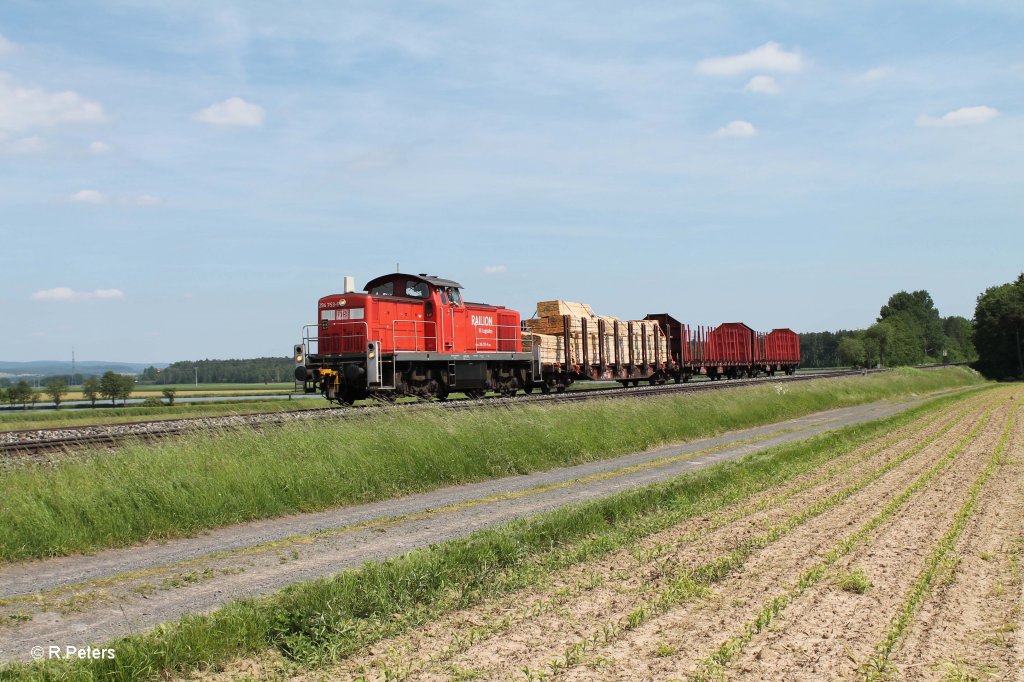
{"type": "Point", "coordinates": [299, 354]}
{"type": "Point", "coordinates": [371, 355]}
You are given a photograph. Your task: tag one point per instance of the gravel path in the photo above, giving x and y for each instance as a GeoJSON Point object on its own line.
{"type": "Point", "coordinates": [75, 600]}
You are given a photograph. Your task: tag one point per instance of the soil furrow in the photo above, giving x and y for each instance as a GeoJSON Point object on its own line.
{"type": "Point", "coordinates": [969, 626]}
{"type": "Point", "coordinates": [829, 630]}
{"type": "Point", "coordinates": [601, 590]}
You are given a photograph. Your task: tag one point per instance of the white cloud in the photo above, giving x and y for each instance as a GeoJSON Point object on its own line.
{"type": "Point", "coordinates": [99, 147]}
{"type": "Point", "coordinates": [64, 294]}
{"type": "Point", "coordinates": [736, 129]}
{"type": "Point", "coordinates": [495, 269]}
{"type": "Point", "coordinates": [89, 196]}
{"type": "Point", "coordinates": [97, 198]}
{"type": "Point", "coordinates": [234, 111]}
{"type": "Point", "coordinates": [24, 145]}
{"type": "Point", "coordinates": [877, 73]}
{"type": "Point", "coordinates": [24, 108]}
{"type": "Point", "coordinates": [5, 45]}
{"type": "Point", "coordinates": [766, 85]}
{"type": "Point", "coordinates": [143, 200]}
{"type": "Point", "coordinates": [768, 57]}
{"type": "Point", "coordinates": [959, 117]}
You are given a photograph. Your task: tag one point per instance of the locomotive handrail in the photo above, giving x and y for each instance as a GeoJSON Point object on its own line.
{"type": "Point", "coordinates": [338, 338]}
{"type": "Point", "coordinates": [415, 336]}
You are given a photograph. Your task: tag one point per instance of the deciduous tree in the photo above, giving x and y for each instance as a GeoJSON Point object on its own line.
{"type": "Point", "coordinates": [110, 386]}
{"type": "Point", "coordinates": [852, 352]}
{"type": "Point", "coordinates": [57, 389]}
{"type": "Point", "coordinates": [91, 389]}
{"type": "Point", "coordinates": [999, 330]}
{"type": "Point", "coordinates": [125, 387]}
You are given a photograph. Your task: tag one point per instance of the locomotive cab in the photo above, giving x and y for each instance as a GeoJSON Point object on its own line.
{"type": "Point", "coordinates": [411, 335]}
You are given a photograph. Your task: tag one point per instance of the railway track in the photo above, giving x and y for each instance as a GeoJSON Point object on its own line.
{"type": "Point", "coordinates": [28, 442]}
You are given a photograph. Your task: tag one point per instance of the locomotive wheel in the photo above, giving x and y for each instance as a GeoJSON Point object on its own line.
{"type": "Point", "coordinates": [545, 389]}
{"type": "Point", "coordinates": [528, 389]}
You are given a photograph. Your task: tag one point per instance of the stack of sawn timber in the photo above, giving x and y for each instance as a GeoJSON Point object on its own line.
{"type": "Point", "coordinates": [546, 330]}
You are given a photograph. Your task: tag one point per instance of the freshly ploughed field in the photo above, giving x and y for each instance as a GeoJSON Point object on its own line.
{"type": "Point", "coordinates": [897, 558]}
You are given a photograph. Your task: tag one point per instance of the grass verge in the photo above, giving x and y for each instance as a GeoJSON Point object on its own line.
{"type": "Point", "coordinates": [327, 619]}
{"type": "Point", "coordinates": [205, 480]}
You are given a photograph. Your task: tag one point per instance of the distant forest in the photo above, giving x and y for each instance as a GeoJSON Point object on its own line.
{"type": "Point", "coordinates": [251, 371]}
{"type": "Point", "coordinates": [909, 331]}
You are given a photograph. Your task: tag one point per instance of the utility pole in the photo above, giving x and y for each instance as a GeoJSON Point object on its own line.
{"type": "Point", "coordinates": [196, 368]}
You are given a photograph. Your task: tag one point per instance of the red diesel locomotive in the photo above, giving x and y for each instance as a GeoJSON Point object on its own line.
{"type": "Point", "coordinates": [411, 335]}
{"type": "Point", "coordinates": [414, 335]}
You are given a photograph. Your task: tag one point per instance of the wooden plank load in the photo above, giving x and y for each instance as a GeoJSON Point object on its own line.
{"type": "Point", "coordinates": [546, 331]}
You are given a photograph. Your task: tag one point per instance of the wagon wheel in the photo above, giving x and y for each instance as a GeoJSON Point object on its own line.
{"type": "Point", "coordinates": [545, 389]}
{"type": "Point", "coordinates": [528, 388]}
{"type": "Point", "coordinates": [560, 388]}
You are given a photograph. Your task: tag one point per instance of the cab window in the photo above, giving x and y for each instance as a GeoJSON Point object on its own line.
{"type": "Point", "coordinates": [453, 295]}
{"type": "Point", "coordinates": [385, 289]}
{"type": "Point", "coordinates": [417, 289]}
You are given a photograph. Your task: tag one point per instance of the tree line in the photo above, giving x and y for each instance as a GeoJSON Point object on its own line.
{"type": "Point", "coordinates": [908, 331]}
{"type": "Point", "coordinates": [235, 371]}
{"type": "Point", "coordinates": [111, 386]}
{"type": "Point", "coordinates": [999, 330]}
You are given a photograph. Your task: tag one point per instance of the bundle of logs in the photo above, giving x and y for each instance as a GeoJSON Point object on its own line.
{"type": "Point", "coordinates": [546, 331]}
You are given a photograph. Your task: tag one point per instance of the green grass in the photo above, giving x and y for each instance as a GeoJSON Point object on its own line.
{"type": "Point", "coordinates": [201, 481]}
{"type": "Point", "coordinates": [855, 581]}
{"type": "Point", "coordinates": [328, 619]}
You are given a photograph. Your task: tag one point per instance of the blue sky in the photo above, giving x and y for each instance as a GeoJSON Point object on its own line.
{"type": "Point", "coordinates": [184, 180]}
